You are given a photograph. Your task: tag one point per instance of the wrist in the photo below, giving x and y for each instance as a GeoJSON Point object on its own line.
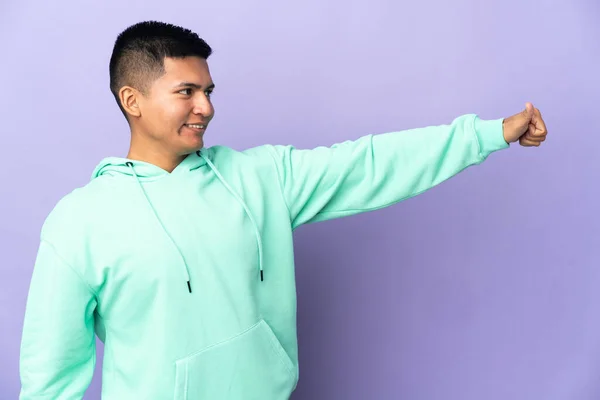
{"type": "Point", "coordinates": [490, 135]}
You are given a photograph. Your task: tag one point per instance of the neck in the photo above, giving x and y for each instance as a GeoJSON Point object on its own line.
{"type": "Point", "coordinates": [153, 154]}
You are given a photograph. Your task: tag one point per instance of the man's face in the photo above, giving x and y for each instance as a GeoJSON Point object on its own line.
{"type": "Point", "coordinates": [177, 108]}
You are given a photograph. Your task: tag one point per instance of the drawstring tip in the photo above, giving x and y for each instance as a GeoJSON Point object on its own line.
{"type": "Point", "coordinates": [261, 275]}
{"type": "Point", "coordinates": [189, 286]}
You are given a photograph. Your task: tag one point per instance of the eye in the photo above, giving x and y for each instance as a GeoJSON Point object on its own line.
{"type": "Point", "coordinates": [188, 92]}
{"type": "Point", "coordinates": [208, 93]}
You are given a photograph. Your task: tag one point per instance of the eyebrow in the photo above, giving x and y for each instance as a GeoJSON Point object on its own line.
{"type": "Point", "coordinates": [193, 85]}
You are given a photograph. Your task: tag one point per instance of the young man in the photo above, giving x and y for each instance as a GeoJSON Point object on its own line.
{"type": "Point", "coordinates": [180, 257]}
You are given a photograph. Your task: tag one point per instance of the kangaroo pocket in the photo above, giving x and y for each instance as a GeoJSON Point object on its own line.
{"type": "Point", "coordinates": [250, 366]}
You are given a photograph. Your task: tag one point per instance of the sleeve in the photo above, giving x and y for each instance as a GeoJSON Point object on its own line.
{"type": "Point", "coordinates": [58, 350]}
{"type": "Point", "coordinates": [376, 171]}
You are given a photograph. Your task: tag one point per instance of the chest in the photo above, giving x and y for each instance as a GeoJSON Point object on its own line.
{"type": "Point", "coordinates": [153, 241]}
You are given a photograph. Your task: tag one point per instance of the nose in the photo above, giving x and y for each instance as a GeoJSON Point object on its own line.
{"type": "Point", "coordinates": [203, 106]}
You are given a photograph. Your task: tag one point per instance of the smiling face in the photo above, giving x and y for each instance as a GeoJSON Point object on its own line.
{"type": "Point", "coordinates": [173, 114]}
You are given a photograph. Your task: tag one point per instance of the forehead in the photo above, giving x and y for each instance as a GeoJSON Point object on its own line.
{"type": "Point", "coordinates": [188, 69]}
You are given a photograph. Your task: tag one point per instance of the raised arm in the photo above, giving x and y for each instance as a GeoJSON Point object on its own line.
{"type": "Point", "coordinates": [377, 171]}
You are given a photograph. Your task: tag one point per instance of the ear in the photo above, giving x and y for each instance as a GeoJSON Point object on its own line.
{"type": "Point", "coordinates": [129, 98]}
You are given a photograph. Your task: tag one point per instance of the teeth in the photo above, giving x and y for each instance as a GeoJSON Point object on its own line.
{"type": "Point", "coordinates": [196, 126]}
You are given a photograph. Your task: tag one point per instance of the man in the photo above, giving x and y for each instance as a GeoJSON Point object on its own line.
{"type": "Point", "coordinates": [180, 257]}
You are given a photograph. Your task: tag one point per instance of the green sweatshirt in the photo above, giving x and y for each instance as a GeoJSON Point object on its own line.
{"type": "Point", "coordinates": [188, 277]}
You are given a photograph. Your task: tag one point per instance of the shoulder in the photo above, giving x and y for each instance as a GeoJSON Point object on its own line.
{"type": "Point", "coordinates": [71, 214]}
{"type": "Point", "coordinates": [259, 158]}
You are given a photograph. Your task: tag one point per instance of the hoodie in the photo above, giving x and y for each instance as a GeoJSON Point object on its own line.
{"type": "Point", "coordinates": [188, 277]}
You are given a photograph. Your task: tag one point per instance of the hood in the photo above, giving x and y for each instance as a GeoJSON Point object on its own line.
{"type": "Point", "coordinates": [115, 166]}
{"type": "Point", "coordinates": [140, 171]}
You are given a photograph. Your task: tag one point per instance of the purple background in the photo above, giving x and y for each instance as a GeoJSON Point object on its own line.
{"type": "Point", "coordinates": [486, 287]}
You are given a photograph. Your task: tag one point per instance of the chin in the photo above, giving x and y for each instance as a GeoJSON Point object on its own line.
{"type": "Point", "coordinates": [188, 143]}
{"type": "Point", "coordinates": [192, 148]}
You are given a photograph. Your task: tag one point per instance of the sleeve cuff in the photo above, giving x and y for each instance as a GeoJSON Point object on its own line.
{"type": "Point", "coordinates": [490, 135]}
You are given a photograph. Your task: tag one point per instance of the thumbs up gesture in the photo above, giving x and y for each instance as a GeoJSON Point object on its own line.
{"type": "Point", "coordinates": [527, 127]}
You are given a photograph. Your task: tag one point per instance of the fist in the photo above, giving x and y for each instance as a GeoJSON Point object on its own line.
{"type": "Point", "coordinates": [527, 127]}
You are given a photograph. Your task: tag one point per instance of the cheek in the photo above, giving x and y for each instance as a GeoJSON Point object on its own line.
{"type": "Point", "coordinates": [175, 112]}
{"type": "Point", "coordinates": [169, 114]}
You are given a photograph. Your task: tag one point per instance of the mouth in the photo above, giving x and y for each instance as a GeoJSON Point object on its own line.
{"type": "Point", "coordinates": [196, 127]}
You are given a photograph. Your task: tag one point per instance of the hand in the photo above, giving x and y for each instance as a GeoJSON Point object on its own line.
{"type": "Point", "coordinates": [527, 127]}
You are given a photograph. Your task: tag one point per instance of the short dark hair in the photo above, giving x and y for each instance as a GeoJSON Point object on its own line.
{"type": "Point", "coordinates": [140, 50]}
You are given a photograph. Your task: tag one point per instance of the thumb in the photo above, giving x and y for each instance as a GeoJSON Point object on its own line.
{"type": "Point", "coordinates": [528, 111]}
